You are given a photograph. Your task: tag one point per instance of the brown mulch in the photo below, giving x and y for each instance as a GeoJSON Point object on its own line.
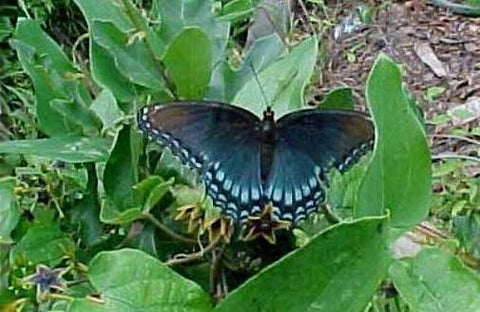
{"type": "Point", "coordinates": [397, 30]}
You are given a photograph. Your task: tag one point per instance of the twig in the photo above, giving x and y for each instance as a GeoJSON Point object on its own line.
{"type": "Point", "coordinates": [306, 19]}
{"type": "Point", "coordinates": [455, 156]}
{"type": "Point", "coordinates": [59, 297]}
{"type": "Point", "coordinates": [167, 231]}
{"type": "Point", "coordinates": [218, 285]}
{"type": "Point", "coordinates": [193, 256]}
{"type": "Point", "coordinates": [455, 137]}
{"type": "Point", "coordinates": [75, 45]}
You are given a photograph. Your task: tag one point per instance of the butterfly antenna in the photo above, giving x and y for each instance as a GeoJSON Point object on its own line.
{"type": "Point", "coordinates": [265, 99]}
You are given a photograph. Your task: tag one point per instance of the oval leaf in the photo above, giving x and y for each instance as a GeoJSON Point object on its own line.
{"type": "Point", "coordinates": [132, 280]}
{"type": "Point", "coordinates": [399, 175]}
{"type": "Point", "coordinates": [333, 272]}
{"type": "Point", "coordinates": [188, 62]}
{"type": "Point", "coordinates": [43, 243]}
{"type": "Point", "coordinates": [419, 284]}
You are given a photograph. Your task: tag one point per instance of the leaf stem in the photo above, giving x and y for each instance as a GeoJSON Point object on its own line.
{"type": "Point", "coordinates": [168, 231]}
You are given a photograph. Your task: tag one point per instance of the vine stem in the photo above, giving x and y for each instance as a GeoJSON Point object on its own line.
{"type": "Point", "coordinates": [168, 231]}
{"type": "Point", "coordinates": [194, 256]}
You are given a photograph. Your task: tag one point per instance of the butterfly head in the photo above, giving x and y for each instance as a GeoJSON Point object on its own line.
{"type": "Point", "coordinates": [268, 114]}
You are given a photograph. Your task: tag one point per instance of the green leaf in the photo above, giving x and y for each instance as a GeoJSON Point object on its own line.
{"type": "Point", "coordinates": [80, 305]}
{"type": "Point", "coordinates": [332, 272]}
{"type": "Point", "coordinates": [53, 75]}
{"type": "Point", "coordinates": [50, 121]}
{"type": "Point", "coordinates": [399, 175]}
{"type": "Point", "coordinates": [340, 98]}
{"type": "Point", "coordinates": [69, 149]}
{"type": "Point", "coordinates": [103, 67]}
{"type": "Point", "coordinates": [106, 108]}
{"type": "Point", "coordinates": [29, 31]}
{"type": "Point", "coordinates": [176, 15]}
{"type": "Point", "coordinates": [43, 243]}
{"type": "Point", "coordinates": [188, 62]}
{"type": "Point", "coordinates": [420, 285]}
{"type": "Point", "coordinates": [344, 187]}
{"type": "Point", "coordinates": [105, 73]}
{"type": "Point", "coordinates": [132, 280]}
{"type": "Point", "coordinates": [111, 213]}
{"type": "Point", "coordinates": [283, 82]}
{"type": "Point", "coordinates": [9, 211]}
{"type": "Point", "coordinates": [236, 10]}
{"type": "Point", "coordinates": [433, 92]}
{"type": "Point", "coordinates": [119, 177]}
{"type": "Point", "coordinates": [105, 10]}
{"type": "Point", "coordinates": [87, 211]}
{"type": "Point", "coordinates": [151, 190]}
{"type": "Point", "coordinates": [132, 55]}
{"type": "Point", "coordinates": [227, 81]}
{"type": "Point", "coordinates": [78, 114]}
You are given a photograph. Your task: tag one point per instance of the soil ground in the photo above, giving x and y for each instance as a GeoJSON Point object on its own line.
{"type": "Point", "coordinates": [403, 30]}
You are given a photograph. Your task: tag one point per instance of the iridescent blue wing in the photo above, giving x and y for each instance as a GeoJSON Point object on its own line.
{"type": "Point", "coordinates": [218, 140]}
{"type": "Point", "coordinates": [308, 143]}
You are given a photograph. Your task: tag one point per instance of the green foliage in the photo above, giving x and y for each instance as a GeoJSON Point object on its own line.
{"type": "Point", "coordinates": [188, 62]}
{"type": "Point", "coordinates": [282, 83]}
{"type": "Point", "coordinates": [130, 279]}
{"type": "Point", "coordinates": [340, 98]}
{"type": "Point", "coordinates": [9, 213]}
{"type": "Point", "coordinates": [401, 153]}
{"type": "Point", "coordinates": [436, 281]}
{"type": "Point", "coordinates": [310, 278]}
{"type": "Point", "coordinates": [83, 184]}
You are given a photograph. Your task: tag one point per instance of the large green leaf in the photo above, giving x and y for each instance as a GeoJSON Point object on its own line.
{"type": "Point", "coordinates": [119, 177]}
{"type": "Point", "coordinates": [87, 210]}
{"type": "Point", "coordinates": [188, 61]}
{"type": "Point", "coordinates": [9, 212]}
{"type": "Point", "coordinates": [133, 57]}
{"type": "Point", "coordinates": [283, 82]}
{"type": "Point", "coordinates": [399, 175]}
{"type": "Point", "coordinates": [176, 15]}
{"type": "Point", "coordinates": [105, 73]}
{"type": "Point", "coordinates": [338, 270]}
{"type": "Point", "coordinates": [227, 81]}
{"type": "Point", "coordinates": [54, 76]}
{"type": "Point", "coordinates": [79, 115]}
{"type": "Point", "coordinates": [131, 280]}
{"type": "Point", "coordinates": [70, 149]}
{"type": "Point", "coordinates": [437, 282]}
{"type": "Point", "coordinates": [43, 243]}
{"type": "Point", "coordinates": [105, 10]}
{"type": "Point", "coordinates": [102, 64]}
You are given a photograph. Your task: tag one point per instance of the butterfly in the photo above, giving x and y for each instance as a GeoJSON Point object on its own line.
{"type": "Point", "coordinates": [247, 163]}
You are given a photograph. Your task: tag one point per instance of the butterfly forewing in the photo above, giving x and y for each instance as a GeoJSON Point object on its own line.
{"type": "Point", "coordinates": [308, 143]}
{"type": "Point", "coordinates": [219, 141]}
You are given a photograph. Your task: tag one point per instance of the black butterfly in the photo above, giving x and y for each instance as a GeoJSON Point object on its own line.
{"type": "Point", "coordinates": [247, 163]}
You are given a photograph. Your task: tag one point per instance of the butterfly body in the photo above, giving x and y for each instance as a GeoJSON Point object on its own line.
{"type": "Point", "coordinates": [247, 163]}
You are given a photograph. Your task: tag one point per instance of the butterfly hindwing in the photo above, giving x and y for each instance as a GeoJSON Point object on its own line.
{"type": "Point", "coordinates": [308, 143]}
{"type": "Point", "coordinates": [216, 139]}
